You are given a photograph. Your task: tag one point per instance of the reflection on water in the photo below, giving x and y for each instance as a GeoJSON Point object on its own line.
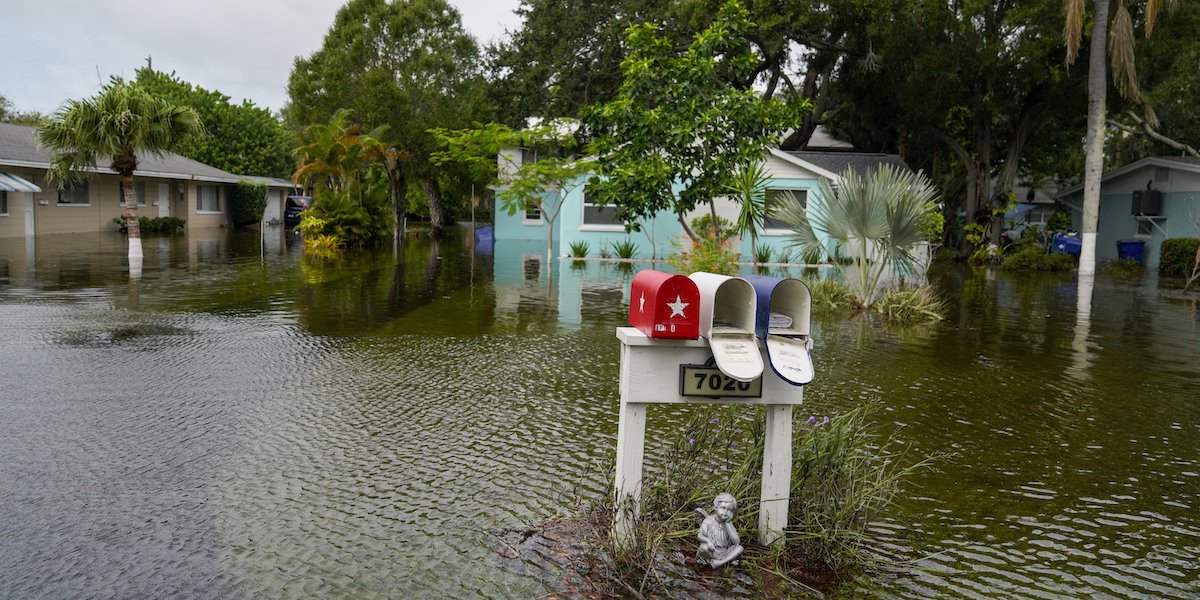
{"type": "Point", "coordinates": [247, 421]}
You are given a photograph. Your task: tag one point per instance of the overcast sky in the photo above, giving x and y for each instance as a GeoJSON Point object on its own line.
{"type": "Point", "coordinates": [54, 50]}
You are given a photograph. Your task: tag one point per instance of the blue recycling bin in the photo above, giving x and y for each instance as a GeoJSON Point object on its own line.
{"type": "Point", "coordinates": [1132, 250]}
{"type": "Point", "coordinates": [1069, 245]}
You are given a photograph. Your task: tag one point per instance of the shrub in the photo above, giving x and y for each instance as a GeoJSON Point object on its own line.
{"type": "Point", "coordinates": [154, 225]}
{"type": "Point", "coordinates": [762, 253]}
{"type": "Point", "coordinates": [579, 248]}
{"type": "Point", "coordinates": [783, 255]}
{"type": "Point", "coordinates": [247, 203]}
{"type": "Point", "coordinates": [1177, 257]}
{"type": "Point", "coordinates": [708, 254]}
{"type": "Point", "coordinates": [625, 249]}
{"type": "Point", "coordinates": [811, 256]}
{"type": "Point", "coordinates": [1124, 267]}
{"type": "Point", "coordinates": [1059, 221]}
{"type": "Point", "coordinates": [1033, 258]}
{"type": "Point", "coordinates": [355, 215]}
{"type": "Point", "coordinates": [912, 304]}
{"type": "Point", "coordinates": [704, 225]}
{"type": "Point", "coordinates": [828, 295]}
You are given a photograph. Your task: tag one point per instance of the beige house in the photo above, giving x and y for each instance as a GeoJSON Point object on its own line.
{"type": "Point", "coordinates": [166, 186]}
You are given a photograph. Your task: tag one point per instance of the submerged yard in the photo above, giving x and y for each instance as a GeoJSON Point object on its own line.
{"type": "Point", "coordinates": [247, 421]}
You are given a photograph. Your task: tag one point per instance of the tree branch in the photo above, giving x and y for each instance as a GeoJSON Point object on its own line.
{"type": "Point", "coordinates": [1143, 128]}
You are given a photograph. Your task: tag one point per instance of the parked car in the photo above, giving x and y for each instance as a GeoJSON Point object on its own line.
{"type": "Point", "coordinates": [294, 209]}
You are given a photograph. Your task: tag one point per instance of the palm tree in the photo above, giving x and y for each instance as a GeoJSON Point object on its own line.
{"type": "Point", "coordinates": [120, 124]}
{"type": "Point", "coordinates": [1112, 30]}
{"type": "Point", "coordinates": [875, 218]}
{"type": "Point", "coordinates": [749, 189]}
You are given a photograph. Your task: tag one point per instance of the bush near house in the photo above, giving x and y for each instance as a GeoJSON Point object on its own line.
{"type": "Point", "coordinates": [153, 225]}
{"type": "Point", "coordinates": [247, 203]}
{"type": "Point", "coordinates": [1177, 257]}
{"type": "Point", "coordinates": [1034, 258]}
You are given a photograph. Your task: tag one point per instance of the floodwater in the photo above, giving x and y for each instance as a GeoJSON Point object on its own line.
{"type": "Point", "coordinates": [245, 421]}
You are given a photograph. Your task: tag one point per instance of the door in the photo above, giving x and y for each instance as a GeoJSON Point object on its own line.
{"type": "Point", "coordinates": [164, 199]}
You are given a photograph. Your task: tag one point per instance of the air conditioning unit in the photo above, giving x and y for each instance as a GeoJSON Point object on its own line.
{"type": "Point", "coordinates": [1147, 203]}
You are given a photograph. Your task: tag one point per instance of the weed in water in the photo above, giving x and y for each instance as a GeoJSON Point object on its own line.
{"type": "Point", "coordinates": [828, 295]}
{"type": "Point", "coordinates": [1124, 267]}
{"type": "Point", "coordinates": [762, 253]}
{"type": "Point", "coordinates": [911, 304]}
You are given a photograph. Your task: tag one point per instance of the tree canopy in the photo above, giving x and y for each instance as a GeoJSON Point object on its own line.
{"type": "Point", "coordinates": [243, 139]}
{"type": "Point", "coordinates": [679, 120]}
{"type": "Point", "coordinates": [408, 65]}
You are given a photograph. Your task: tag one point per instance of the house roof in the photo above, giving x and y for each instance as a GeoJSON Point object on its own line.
{"type": "Point", "coordinates": [271, 181]}
{"type": "Point", "coordinates": [832, 164]}
{"type": "Point", "coordinates": [1182, 163]}
{"type": "Point", "coordinates": [19, 148]}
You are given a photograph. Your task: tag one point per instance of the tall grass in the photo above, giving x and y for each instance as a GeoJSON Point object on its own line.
{"type": "Point", "coordinates": [911, 304]}
{"type": "Point", "coordinates": [828, 295]}
{"type": "Point", "coordinates": [844, 476]}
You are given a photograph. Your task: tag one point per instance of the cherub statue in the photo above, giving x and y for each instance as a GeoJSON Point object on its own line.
{"type": "Point", "coordinates": [720, 543]}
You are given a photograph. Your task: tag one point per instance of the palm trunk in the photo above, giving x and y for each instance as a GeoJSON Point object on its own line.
{"type": "Point", "coordinates": [437, 215]}
{"type": "Point", "coordinates": [132, 225]}
{"type": "Point", "coordinates": [1094, 146]}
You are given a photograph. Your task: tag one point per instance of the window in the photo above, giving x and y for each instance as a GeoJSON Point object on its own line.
{"type": "Point", "coordinates": [139, 192]}
{"type": "Point", "coordinates": [533, 214]}
{"type": "Point", "coordinates": [3, 202]}
{"type": "Point", "coordinates": [774, 198]}
{"type": "Point", "coordinates": [208, 198]}
{"type": "Point", "coordinates": [76, 195]}
{"type": "Point", "coordinates": [595, 214]}
{"type": "Point", "coordinates": [1145, 227]}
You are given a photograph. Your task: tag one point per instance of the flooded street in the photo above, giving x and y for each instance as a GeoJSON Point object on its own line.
{"type": "Point", "coordinates": [246, 421]}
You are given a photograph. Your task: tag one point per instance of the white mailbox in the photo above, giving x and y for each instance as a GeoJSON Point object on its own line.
{"type": "Point", "coordinates": [727, 317]}
{"type": "Point", "coordinates": [782, 322]}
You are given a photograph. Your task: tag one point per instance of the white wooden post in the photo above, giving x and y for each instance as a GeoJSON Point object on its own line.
{"type": "Point", "coordinates": [631, 445]}
{"type": "Point", "coordinates": [776, 474]}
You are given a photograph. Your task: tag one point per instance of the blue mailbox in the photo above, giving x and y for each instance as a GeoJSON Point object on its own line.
{"type": "Point", "coordinates": [782, 322]}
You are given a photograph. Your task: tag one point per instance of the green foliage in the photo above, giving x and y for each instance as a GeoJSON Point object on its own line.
{"type": "Point", "coordinates": [783, 255]}
{"type": "Point", "coordinates": [579, 248]}
{"type": "Point", "coordinates": [247, 203]}
{"type": "Point", "coordinates": [704, 224]}
{"type": "Point", "coordinates": [565, 56]}
{"type": "Point", "coordinates": [239, 138]}
{"type": "Point", "coordinates": [345, 168]}
{"type": "Point", "coordinates": [829, 295]}
{"type": "Point", "coordinates": [521, 185]}
{"type": "Point", "coordinates": [812, 256]}
{"type": "Point", "coordinates": [1124, 267]}
{"type": "Point", "coordinates": [762, 253]}
{"type": "Point", "coordinates": [1178, 257]}
{"type": "Point", "coordinates": [356, 215]}
{"type": "Point", "coordinates": [844, 476]}
{"type": "Point", "coordinates": [912, 304]}
{"type": "Point", "coordinates": [625, 249]}
{"type": "Point", "coordinates": [9, 114]}
{"type": "Point", "coordinates": [749, 190]}
{"type": "Point", "coordinates": [876, 219]}
{"type": "Point", "coordinates": [1059, 221]}
{"type": "Point", "coordinates": [154, 225]}
{"type": "Point", "coordinates": [679, 121]}
{"type": "Point", "coordinates": [708, 253]}
{"type": "Point", "coordinates": [932, 225]}
{"type": "Point", "coordinates": [408, 65]}
{"type": "Point", "coordinates": [977, 237]}
{"type": "Point", "coordinates": [1035, 258]}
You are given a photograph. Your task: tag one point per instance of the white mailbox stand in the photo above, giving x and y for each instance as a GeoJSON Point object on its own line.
{"type": "Point", "coordinates": [650, 375]}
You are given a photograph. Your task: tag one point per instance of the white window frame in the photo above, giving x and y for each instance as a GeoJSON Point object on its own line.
{"type": "Point", "coordinates": [585, 226]}
{"type": "Point", "coordinates": [1150, 222]}
{"type": "Point", "coordinates": [86, 194]}
{"type": "Point", "coordinates": [528, 220]}
{"type": "Point", "coordinates": [199, 197]}
{"type": "Point", "coordinates": [775, 231]}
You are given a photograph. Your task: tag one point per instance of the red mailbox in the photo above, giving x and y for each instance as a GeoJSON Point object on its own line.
{"type": "Point", "coordinates": [662, 305]}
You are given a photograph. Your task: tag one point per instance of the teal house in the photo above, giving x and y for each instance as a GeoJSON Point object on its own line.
{"type": "Point", "coordinates": [570, 216]}
{"type": "Point", "coordinates": [1150, 200]}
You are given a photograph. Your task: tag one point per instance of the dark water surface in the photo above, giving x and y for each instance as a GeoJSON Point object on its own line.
{"type": "Point", "coordinates": [246, 421]}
